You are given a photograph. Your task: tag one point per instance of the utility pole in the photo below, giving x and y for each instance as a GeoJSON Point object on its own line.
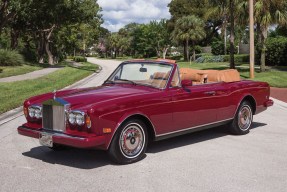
{"type": "Point", "coordinates": [251, 39]}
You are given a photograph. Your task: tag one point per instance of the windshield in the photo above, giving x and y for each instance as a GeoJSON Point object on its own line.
{"type": "Point", "coordinates": [149, 74]}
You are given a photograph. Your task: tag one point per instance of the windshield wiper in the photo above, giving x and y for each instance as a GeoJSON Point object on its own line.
{"type": "Point", "coordinates": [126, 80]}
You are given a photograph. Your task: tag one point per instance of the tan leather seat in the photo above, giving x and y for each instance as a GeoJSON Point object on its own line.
{"type": "Point", "coordinates": [197, 76]}
{"type": "Point", "coordinates": [159, 79]}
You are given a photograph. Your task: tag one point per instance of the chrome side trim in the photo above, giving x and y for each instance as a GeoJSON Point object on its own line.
{"type": "Point", "coordinates": [182, 130]}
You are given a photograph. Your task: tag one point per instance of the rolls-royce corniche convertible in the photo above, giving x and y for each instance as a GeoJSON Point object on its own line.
{"type": "Point", "coordinates": [144, 101]}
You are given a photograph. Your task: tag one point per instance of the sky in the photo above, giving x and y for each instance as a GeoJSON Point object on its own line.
{"type": "Point", "coordinates": [118, 13]}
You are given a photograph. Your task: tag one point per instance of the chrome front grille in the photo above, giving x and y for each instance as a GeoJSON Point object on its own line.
{"type": "Point", "coordinates": [54, 116]}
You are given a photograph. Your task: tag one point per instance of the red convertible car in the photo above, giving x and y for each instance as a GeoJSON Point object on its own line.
{"type": "Point", "coordinates": [144, 101]}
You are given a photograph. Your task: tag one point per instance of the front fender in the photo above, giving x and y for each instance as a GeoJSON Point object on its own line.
{"type": "Point", "coordinates": [115, 120]}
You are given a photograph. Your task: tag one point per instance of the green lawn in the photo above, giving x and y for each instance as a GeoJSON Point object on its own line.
{"type": "Point", "coordinates": [17, 70]}
{"type": "Point", "coordinates": [13, 94]}
{"type": "Point", "coordinates": [275, 76]}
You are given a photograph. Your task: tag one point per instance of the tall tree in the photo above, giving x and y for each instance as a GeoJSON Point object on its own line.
{"type": "Point", "coordinates": [8, 11]}
{"type": "Point", "coordinates": [225, 10]}
{"type": "Point", "coordinates": [159, 37]}
{"type": "Point", "coordinates": [232, 33]}
{"type": "Point", "coordinates": [189, 28]}
{"type": "Point", "coordinates": [268, 12]}
{"type": "Point", "coordinates": [50, 16]}
{"type": "Point", "coordinates": [199, 8]}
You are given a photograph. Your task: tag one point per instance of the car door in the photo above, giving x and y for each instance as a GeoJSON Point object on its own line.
{"type": "Point", "coordinates": [194, 106]}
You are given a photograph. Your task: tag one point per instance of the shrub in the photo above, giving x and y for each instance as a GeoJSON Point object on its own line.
{"type": "Point", "coordinates": [1, 70]}
{"type": "Point", "coordinates": [276, 53]}
{"type": "Point", "coordinates": [80, 59]}
{"type": "Point", "coordinates": [198, 49]}
{"type": "Point", "coordinates": [217, 48]}
{"type": "Point", "coordinates": [209, 59]}
{"type": "Point", "coordinates": [29, 55]}
{"type": "Point", "coordinates": [175, 57]}
{"type": "Point", "coordinates": [202, 54]}
{"type": "Point", "coordinates": [10, 58]}
{"type": "Point", "coordinates": [241, 58]}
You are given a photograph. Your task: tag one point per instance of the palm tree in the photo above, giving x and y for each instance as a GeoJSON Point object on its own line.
{"type": "Point", "coordinates": [225, 10]}
{"type": "Point", "coordinates": [268, 12]}
{"type": "Point", "coordinates": [114, 43]}
{"type": "Point", "coordinates": [189, 28]}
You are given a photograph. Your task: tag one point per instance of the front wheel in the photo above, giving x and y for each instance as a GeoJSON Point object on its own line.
{"type": "Point", "coordinates": [129, 143]}
{"type": "Point", "coordinates": [243, 119]}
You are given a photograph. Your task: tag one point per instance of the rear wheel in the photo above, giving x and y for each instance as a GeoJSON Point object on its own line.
{"type": "Point", "coordinates": [243, 119]}
{"type": "Point", "coordinates": [129, 143]}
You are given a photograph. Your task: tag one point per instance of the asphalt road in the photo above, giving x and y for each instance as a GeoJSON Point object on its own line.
{"type": "Point", "coordinates": [210, 160]}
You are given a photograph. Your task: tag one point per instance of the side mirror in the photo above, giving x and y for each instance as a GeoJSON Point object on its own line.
{"type": "Point", "coordinates": [186, 83]}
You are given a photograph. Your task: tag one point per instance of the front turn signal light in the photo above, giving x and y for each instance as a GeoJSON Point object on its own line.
{"type": "Point", "coordinates": [25, 110]}
{"type": "Point", "coordinates": [88, 122]}
{"type": "Point", "coordinates": [107, 130]}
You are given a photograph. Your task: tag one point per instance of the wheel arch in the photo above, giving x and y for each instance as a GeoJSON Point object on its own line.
{"type": "Point", "coordinates": [252, 102]}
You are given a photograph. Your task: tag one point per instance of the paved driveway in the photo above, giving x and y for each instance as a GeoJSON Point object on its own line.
{"type": "Point", "coordinates": [210, 160]}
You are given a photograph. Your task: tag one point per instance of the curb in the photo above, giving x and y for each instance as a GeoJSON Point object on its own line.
{"type": "Point", "coordinates": [10, 115]}
{"type": "Point", "coordinates": [280, 103]}
{"type": "Point", "coordinates": [17, 112]}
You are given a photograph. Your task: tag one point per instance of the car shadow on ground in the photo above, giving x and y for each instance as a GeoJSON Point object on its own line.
{"type": "Point", "coordinates": [71, 157]}
{"type": "Point", "coordinates": [91, 159]}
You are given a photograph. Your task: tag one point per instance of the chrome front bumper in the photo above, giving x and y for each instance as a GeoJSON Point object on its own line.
{"type": "Point", "coordinates": [64, 139]}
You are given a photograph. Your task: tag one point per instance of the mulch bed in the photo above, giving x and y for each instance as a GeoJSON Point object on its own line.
{"type": "Point", "coordinates": [279, 93]}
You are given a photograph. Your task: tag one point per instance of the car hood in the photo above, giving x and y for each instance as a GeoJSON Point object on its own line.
{"type": "Point", "coordinates": [79, 98]}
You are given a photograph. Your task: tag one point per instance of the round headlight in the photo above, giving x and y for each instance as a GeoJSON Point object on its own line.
{"type": "Point", "coordinates": [72, 118]}
{"type": "Point", "coordinates": [80, 119]}
{"type": "Point", "coordinates": [31, 112]}
{"type": "Point", "coordinates": [38, 113]}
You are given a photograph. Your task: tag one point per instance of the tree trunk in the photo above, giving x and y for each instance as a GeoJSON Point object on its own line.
{"type": "Point", "coordinates": [187, 50]}
{"type": "Point", "coordinates": [259, 44]}
{"type": "Point", "coordinates": [184, 51]}
{"type": "Point", "coordinates": [47, 44]}
{"type": "Point", "coordinates": [157, 53]}
{"type": "Point", "coordinates": [14, 38]}
{"type": "Point", "coordinates": [225, 33]}
{"type": "Point", "coordinates": [6, 15]}
{"type": "Point", "coordinates": [40, 48]}
{"type": "Point", "coordinates": [193, 46]}
{"type": "Point", "coordinates": [231, 8]}
{"type": "Point", "coordinates": [164, 52]}
{"type": "Point", "coordinates": [263, 49]}
{"type": "Point", "coordinates": [49, 53]}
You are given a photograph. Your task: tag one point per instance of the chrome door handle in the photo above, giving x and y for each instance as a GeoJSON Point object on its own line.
{"type": "Point", "coordinates": [210, 93]}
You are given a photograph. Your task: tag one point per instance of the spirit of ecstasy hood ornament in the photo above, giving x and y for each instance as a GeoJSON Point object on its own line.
{"type": "Point", "coordinates": [55, 92]}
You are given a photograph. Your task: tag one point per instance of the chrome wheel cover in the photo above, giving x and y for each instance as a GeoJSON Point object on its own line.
{"type": "Point", "coordinates": [132, 140]}
{"type": "Point", "coordinates": [245, 118]}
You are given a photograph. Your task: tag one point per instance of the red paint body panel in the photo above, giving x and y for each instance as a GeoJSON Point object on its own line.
{"type": "Point", "coordinates": [168, 110]}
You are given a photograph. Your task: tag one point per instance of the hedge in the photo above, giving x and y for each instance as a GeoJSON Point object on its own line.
{"type": "Point", "coordinates": [276, 53]}
{"type": "Point", "coordinates": [10, 58]}
{"type": "Point", "coordinates": [80, 59]}
{"type": "Point", "coordinates": [175, 57]}
{"type": "Point", "coordinates": [217, 48]}
{"type": "Point", "coordinates": [242, 58]}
